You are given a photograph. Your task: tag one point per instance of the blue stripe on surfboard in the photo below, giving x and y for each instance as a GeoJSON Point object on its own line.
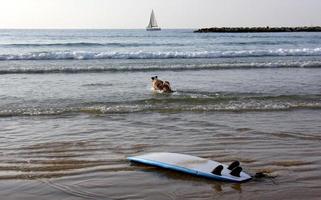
{"type": "Point", "coordinates": [182, 169]}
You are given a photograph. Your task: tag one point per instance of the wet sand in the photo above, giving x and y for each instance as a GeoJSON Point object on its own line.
{"type": "Point", "coordinates": [84, 157]}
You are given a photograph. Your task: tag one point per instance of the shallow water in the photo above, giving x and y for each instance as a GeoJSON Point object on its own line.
{"type": "Point", "coordinates": [84, 156]}
{"type": "Point", "coordinates": [68, 123]}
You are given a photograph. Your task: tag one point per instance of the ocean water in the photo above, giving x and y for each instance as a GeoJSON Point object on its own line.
{"type": "Point", "coordinates": [75, 103]}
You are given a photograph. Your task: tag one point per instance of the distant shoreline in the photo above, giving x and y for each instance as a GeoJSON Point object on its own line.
{"type": "Point", "coordinates": [266, 29]}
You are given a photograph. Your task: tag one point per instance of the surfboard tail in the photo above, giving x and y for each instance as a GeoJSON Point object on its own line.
{"type": "Point", "coordinates": [218, 170]}
{"type": "Point", "coordinates": [233, 165]}
{"type": "Point", "coordinates": [236, 171]}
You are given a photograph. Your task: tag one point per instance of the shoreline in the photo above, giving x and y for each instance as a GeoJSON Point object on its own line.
{"type": "Point", "coordinates": [266, 29]}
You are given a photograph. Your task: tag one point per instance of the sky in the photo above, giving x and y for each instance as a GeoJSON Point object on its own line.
{"type": "Point", "coordinates": [169, 13]}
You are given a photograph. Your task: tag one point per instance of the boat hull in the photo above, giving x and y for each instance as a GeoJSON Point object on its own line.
{"type": "Point", "coordinates": [153, 29]}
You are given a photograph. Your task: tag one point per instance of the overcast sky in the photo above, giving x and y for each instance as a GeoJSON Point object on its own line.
{"type": "Point", "coordinates": [169, 13]}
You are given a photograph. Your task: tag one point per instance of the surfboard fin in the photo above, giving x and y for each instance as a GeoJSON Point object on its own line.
{"type": "Point", "coordinates": [233, 165]}
{"type": "Point", "coordinates": [236, 171]}
{"type": "Point", "coordinates": [218, 170]}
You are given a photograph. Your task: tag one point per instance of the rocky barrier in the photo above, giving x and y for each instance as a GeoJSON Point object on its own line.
{"type": "Point", "coordinates": [258, 29]}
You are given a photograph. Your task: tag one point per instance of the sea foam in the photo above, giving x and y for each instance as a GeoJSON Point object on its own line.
{"type": "Point", "coordinates": [86, 55]}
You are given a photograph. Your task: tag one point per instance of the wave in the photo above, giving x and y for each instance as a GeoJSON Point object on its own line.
{"type": "Point", "coordinates": [83, 55]}
{"type": "Point", "coordinates": [89, 44]}
{"type": "Point", "coordinates": [276, 42]}
{"type": "Point", "coordinates": [151, 68]}
{"type": "Point", "coordinates": [178, 102]}
{"type": "Point", "coordinates": [98, 85]}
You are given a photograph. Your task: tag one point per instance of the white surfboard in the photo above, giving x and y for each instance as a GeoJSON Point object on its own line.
{"type": "Point", "coordinates": [189, 164]}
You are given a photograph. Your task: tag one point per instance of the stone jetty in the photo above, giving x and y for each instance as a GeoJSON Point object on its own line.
{"type": "Point", "coordinates": [258, 29]}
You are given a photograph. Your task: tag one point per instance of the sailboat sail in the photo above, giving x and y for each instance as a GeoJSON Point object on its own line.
{"type": "Point", "coordinates": [152, 22]}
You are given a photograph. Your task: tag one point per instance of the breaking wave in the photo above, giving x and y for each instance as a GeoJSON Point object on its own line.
{"type": "Point", "coordinates": [178, 102]}
{"type": "Point", "coordinates": [150, 68]}
{"type": "Point", "coordinates": [84, 55]}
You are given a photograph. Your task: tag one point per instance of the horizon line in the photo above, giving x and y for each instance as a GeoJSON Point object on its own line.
{"type": "Point", "coordinates": [183, 28]}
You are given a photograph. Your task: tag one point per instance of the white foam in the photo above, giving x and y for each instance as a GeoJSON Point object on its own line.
{"type": "Point", "coordinates": [84, 55]}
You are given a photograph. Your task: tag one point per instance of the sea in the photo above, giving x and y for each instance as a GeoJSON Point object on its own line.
{"type": "Point", "coordinates": [74, 104]}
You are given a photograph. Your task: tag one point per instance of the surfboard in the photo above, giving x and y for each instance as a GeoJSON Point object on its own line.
{"type": "Point", "coordinates": [193, 165]}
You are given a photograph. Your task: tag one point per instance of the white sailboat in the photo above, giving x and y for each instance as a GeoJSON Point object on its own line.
{"type": "Point", "coordinates": [152, 26]}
